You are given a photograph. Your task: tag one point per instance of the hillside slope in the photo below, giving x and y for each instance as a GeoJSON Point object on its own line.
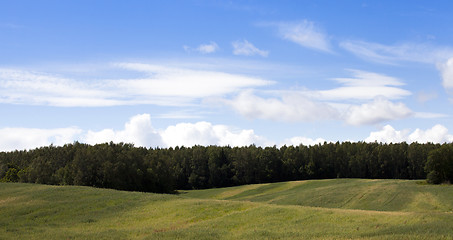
{"type": "Point", "coordinates": [31, 211]}
{"type": "Point", "coordinates": [365, 194]}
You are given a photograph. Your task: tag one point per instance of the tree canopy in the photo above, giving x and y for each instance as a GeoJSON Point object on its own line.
{"type": "Point", "coordinates": [125, 167]}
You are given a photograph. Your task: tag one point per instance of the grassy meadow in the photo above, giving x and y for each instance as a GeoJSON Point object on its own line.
{"type": "Point", "coordinates": [314, 209]}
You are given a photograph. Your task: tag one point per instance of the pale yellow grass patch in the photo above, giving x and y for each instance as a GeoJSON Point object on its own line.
{"type": "Point", "coordinates": [8, 200]}
{"type": "Point", "coordinates": [236, 191]}
{"type": "Point", "coordinates": [425, 201]}
{"type": "Point", "coordinates": [283, 187]}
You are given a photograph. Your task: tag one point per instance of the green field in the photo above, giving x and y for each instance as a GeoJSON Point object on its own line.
{"type": "Point", "coordinates": [315, 209]}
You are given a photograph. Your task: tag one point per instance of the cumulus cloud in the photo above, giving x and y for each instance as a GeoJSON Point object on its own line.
{"type": "Point", "coordinates": [290, 107]}
{"type": "Point", "coordinates": [29, 138]}
{"type": "Point", "coordinates": [296, 107]}
{"type": "Point", "coordinates": [138, 131]}
{"type": "Point", "coordinates": [296, 141]}
{"type": "Point", "coordinates": [377, 111]}
{"type": "Point", "coordinates": [204, 133]}
{"type": "Point", "coordinates": [247, 49]}
{"type": "Point", "coordinates": [446, 70]}
{"type": "Point", "coordinates": [362, 99]}
{"type": "Point", "coordinates": [304, 33]}
{"type": "Point", "coordinates": [387, 135]}
{"type": "Point", "coordinates": [436, 134]}
{"type": "Point", "coordinates": [161, 86]}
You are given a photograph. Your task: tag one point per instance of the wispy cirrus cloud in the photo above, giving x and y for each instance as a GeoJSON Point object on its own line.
{"type": "Point", "coordinates": [187, 83]}
{"type": "Point", "coordinates": [446, 70]}
{"type": "Point", "coordinates": [392, 54]}
{"type": "Point", "coordinates": [365, 86]}
{"type": "Point", "coordinates": [157, 84]}
{"type": "Point", "coordinates": [440, 56]}
{"type": "Point", "coordinates": [305, 33]}
{"type": "Point", "coordinates": [247, 49]}
{"type": "Point", "coordinates": [37, 88]}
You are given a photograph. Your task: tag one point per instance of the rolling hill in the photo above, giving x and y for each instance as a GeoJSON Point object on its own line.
{"type": "Point", "coordinates": [315, 209]}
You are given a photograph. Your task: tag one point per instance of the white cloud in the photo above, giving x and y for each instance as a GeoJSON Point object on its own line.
{"type": "Point", "coordinates": [423, 96]}
{"type": "Point", "coordinates": [205, 48]}
{"type": "Point", "coordinates": [296, 141]}
{"type": "Point", "coordinates": [211, 47]}
{"type": "Point", "coordinates": [446, 70]}
{"type": "Point", "coordinates": [387, 135]}
{"type": "Point", "coordinates": [365, 86]}
{"type": "Point", "coordinates": [428, 115]}
{"type": "Point", "coordinates": [377, 111]}
{"type": "Point", "coordinates": [178, 82]}
{"type": "Point", "coordinates": [204, 133]}
{"type": "Point", "coordinates": [138, 131]}
{"type": "Point", "coordinates": [161, 86]}
{"type": "Point", "coordinates": [247, 49]}
{"type": "Point", "coordinates": [185, 114]}
{"type": "Point", "coordinates": [442, 57]}
{"type": "Point", "coordinates": [304, 33]}
{"type": "Point", "coordinates": [436, 134]}
{"type": "Point", "coordinates": [332, 104]}
{"type": "Point", "coordinates": [29, 138]}
{"type": "Point", "coordinates": [26, 87]}
{"type": "Point", "coordinates": [388, 54]}
{"type": "Point", "coordinates": [291, 107]}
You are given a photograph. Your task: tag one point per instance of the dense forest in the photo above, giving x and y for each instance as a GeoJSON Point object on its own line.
{"type": "Point", "coordinates": [125, 167]}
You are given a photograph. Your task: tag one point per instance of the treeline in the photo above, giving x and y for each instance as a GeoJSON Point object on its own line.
{"type": "Point", "coordinates": [125, 167]}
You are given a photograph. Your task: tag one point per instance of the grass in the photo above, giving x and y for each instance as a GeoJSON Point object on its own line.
{"type": "Point", "coordinates": [322, 209]}
{"type": "Point", "coordinates": [364, 194]}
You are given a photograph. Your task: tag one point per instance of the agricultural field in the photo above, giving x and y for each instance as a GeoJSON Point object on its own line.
{"type": "Point", "coordinates": [314, 209]}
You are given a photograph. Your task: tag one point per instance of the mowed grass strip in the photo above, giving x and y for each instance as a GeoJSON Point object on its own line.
{"type": "Point", "coordinates": [365, 194]}
{"type": "Point", "coordinates": [31, 211]}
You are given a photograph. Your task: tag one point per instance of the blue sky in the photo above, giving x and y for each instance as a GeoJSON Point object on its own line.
{"type": "Point", "coordinates": [167, 73]}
